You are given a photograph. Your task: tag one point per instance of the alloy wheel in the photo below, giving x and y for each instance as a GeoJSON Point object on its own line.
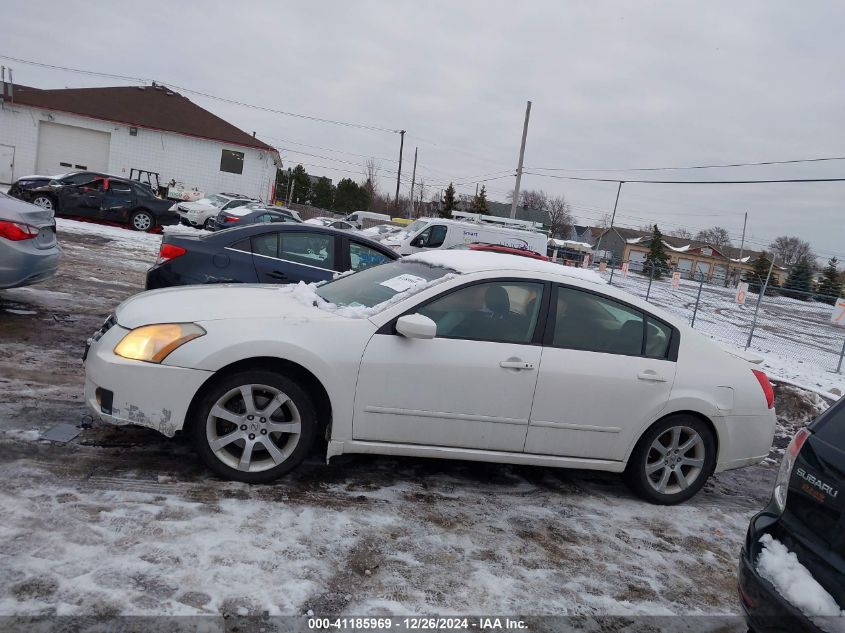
{"type": "Point", "coordinates": [675, 460]}
{"type": "Point", "coordinates": [253, 428]}
{"type": "Point", "coordinates": [44, 202]}
{"type": "Point", "coordinates": [142, 222]}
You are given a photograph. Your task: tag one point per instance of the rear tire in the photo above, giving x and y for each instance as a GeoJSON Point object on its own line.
{"type": "Point", "coordinates": [673, 460]}
{"type": "Point", "coordinates": [254, 426]}
{"type": "Point", "coordinates": [45, 202]}
{"type": "Point", "coordinates": [142, 221]}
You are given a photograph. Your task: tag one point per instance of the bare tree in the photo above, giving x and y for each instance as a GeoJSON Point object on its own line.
{"type": "Point", "coordinates": [790, 250]}
{"type": "Point", "coordinates": [370, 184]}
{"type": "Point", "coordinates": [560, 217]}
{"type": "Point", "coordinates": [534, 199]}
{"type": "Point", "coordinates": [715, 236]}
{"type": "Point", "coordinates": [681, 232]}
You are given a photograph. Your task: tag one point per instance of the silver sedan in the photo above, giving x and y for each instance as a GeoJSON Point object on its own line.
{"type": "Point", "coordinates": [29, 252]}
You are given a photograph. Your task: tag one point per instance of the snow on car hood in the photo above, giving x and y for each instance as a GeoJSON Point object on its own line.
{"type": "Point", "coordinates": [190, 304]}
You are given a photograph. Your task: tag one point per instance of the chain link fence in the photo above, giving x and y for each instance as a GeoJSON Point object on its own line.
{"type": "Point", "coordinates": [789, 326]}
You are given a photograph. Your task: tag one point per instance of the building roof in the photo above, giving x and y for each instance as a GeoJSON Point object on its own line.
{"type": "Point", "coordinates": [681, 244]}
{"type": "Point", "coordinates": [155, 107]}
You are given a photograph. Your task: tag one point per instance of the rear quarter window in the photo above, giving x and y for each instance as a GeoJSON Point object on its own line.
{"type": "Point", "coordinates": [830, 425]}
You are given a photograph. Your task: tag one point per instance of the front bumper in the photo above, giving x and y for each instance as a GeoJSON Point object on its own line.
{"type": "Point", "coordinates": [764, 608]}
{"type": "Point", "coordinates": [121, 391]}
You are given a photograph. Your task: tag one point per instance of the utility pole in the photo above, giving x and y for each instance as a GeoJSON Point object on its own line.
{"type": "Point", "coordinates": [515, 200]}
{"type": "Point", "coordinates": [742, 244]}
{"type": "Point", "coordinates": [399, 172]}
{"type": "Point", "coordinates": [612, 218]}
{"type": "Point", "coordinates": [413, 181]}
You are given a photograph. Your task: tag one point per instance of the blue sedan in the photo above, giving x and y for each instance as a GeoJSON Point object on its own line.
{"type": "Point", "coordinates": [263, 253]}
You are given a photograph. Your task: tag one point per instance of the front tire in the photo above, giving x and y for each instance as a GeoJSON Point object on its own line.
{"type": "Point", "coordinates": [254, 426]}
{"type": "Point", "coordinates": [209, 224]}
{"type": "Point", "coordinates": [142, 221]}
{"type": "Point", "coordinates": [672, 460]}
{"type": "Point", "coordinates": [45, 202]}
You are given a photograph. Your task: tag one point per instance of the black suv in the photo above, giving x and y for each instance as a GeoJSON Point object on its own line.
{"type": "Point", "coordinates": [807, 516]}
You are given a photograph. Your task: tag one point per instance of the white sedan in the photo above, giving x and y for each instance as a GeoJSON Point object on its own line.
{"type": "Point", "coordinates": [450, 354]}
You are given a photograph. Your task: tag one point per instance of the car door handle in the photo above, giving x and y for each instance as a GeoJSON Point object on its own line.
{"type": "Point", "coordinates": [516, 364]}
{"type": "Point", "coordinates": [276, 274]}
{"type": "Point", "coordinates": [651, 376]}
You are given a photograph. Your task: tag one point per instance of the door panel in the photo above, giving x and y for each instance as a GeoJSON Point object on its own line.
{"type": "Point", "coordinates": [605, 373]}
{"type": "Point", "coordinates": [593, 404]}
{"type": "Point", "coordinates": [444, 392]}
{"type": "Point", "coordinates": [469, 387]}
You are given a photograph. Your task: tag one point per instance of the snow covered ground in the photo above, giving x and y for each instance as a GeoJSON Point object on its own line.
{"type": "Point", "coordinates": [795, 337]}
{"type": "Point", "coordinates": [124, 521]}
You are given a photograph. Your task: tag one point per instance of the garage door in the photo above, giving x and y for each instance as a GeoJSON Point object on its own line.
{"type": "Point", "coordinates": [63, 148]}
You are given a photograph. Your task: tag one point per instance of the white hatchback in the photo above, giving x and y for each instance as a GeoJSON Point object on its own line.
{"type": "Point", "coordinates": [450, 354]}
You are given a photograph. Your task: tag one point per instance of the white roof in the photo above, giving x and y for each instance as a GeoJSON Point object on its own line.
{"type": "Point", "coordinates": [477, 261]}
{"type": "Point", "coordinates": [579, 246]}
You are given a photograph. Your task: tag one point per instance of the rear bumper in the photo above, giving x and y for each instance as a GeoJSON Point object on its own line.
{"type": "Point", "coordinates": [121, 391]}
{"type": "Point", "coordinates": [21, 264]}
{"type": "Point", "coordinates": [744, 439]}
{"type": "Point", "coordinates": [764, 608]}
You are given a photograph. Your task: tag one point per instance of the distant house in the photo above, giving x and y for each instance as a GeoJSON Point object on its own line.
{"type": "Point", "coordinates": [692, 258]}
{"type": "Point", "coordinates": [117, 129]}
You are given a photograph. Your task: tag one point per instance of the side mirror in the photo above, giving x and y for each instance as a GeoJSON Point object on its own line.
{"type": "Point", "coordinates": [417, 242]}
{"type": "Point", "coordinates": [416, 326]}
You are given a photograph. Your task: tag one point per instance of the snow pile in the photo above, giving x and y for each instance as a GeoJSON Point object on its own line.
{"type": "Point", "coordinates": [307, 295]}
{"type": "Point", "coordinates": [793, 581]}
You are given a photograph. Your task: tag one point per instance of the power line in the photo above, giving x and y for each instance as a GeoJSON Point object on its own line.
{"type": "Point", "coordinates": [690, 182]}
{"type": "Point", "coordinates": [362, 126]}
{"type": "Point", "coordinates": [724, 165]}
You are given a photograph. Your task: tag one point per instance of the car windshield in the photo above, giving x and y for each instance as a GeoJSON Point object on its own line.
{"type": "Point", "coordinates": [376, 285]}
{"type": "Point", "coordinates": [416, 225]}
{"type": "Point", "coordinates": [217, 201]}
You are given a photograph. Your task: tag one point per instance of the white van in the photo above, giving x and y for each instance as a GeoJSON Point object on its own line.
{"type": "Point", "coordinates": [357, 218]}
{"type": "Point", "coordinates": [441, 234]}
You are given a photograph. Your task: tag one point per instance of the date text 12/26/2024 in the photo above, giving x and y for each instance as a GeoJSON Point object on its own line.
{"type": "Point", "coordinates": [417, 623]}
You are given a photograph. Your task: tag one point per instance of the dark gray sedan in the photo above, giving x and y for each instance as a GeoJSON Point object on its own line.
{"type": "Point", "coordinates": [29, 252]}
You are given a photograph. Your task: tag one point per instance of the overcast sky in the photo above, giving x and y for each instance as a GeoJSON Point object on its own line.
{"type": "Point", "coordinates": [613, 85]}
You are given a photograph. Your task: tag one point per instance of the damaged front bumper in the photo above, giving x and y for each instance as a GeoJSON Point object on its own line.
{"type": "Point", "coordinates": [122, 391]}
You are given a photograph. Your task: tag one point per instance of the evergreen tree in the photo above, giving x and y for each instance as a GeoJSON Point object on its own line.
{"type": "Point", "coordinates": [449, 202]}
{"type": "Point", "coordinates": [800, 280]}
{"type": "Point", "coordinates": [479, 203]}
{"type": "Point", "coordinates": [349, 197]}
{"type": "Point", "coordinates": [829, 284]}
{"type": "Point", "coordinates": [322, 194]}
{"type": "Point", "coordinates": [756, 277]}
{"type": "Point", "coordinates": [656, 259]}
{"type": "Point", "coordinates": [301, 185]}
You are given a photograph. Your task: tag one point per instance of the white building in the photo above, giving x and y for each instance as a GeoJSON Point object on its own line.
{"type": "Point", "coordinates": [114, 130]}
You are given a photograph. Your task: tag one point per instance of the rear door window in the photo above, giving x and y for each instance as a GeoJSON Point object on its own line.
{"type": "Point", "coordinates": [594, 323]}
{"type": "Point", "coordinates": [266, 244]}
{"type": "Point", "coordinates": [311, 249]}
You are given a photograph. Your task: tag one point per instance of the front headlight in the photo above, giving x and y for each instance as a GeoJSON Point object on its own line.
{"type": "Point", "coordinates": [152, 343]}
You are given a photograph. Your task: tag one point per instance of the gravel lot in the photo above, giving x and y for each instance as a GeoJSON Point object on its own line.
{"type": "Point", "coordinates": [124, 521]}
